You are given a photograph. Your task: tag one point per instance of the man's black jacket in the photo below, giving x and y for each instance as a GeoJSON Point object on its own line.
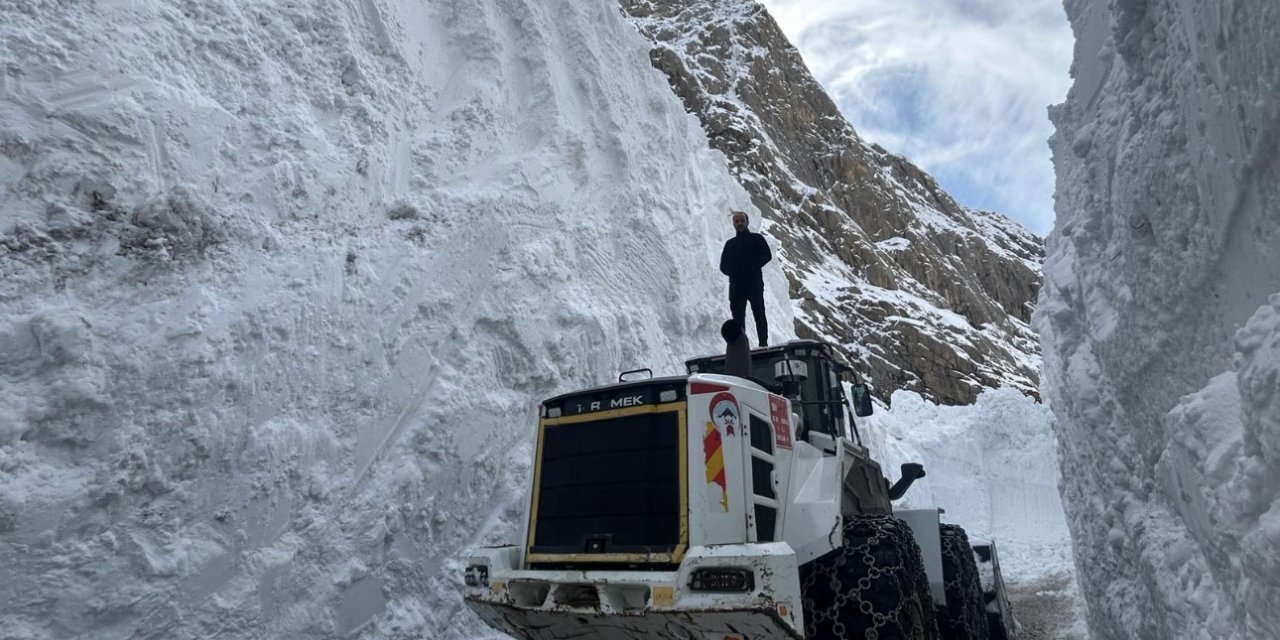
{"type": "Point", "coordinates": [742, 258]}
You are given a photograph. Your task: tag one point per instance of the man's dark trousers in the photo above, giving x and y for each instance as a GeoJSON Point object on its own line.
{"type": "Point", "coordinates": [739, 296]}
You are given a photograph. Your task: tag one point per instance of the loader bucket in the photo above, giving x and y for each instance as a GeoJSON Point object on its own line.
{"type": "Point", "coordinates": [543, 624]}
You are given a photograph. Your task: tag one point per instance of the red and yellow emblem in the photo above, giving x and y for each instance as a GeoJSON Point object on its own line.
{"type": "Point", "coordinates": [724, 419]}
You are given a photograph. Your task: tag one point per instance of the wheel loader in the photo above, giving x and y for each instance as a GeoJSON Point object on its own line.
{"type": "Point", "coordinates": [734, 502]}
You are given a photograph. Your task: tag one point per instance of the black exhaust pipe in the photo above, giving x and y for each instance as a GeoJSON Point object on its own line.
{"type": "Point", "coordinates": [911, 471]}
{"type": "Point", "coordinates": [737, 349]}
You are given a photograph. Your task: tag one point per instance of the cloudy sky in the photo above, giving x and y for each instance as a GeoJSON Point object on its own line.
{"type": "Point", "coordinates": [960, 87]}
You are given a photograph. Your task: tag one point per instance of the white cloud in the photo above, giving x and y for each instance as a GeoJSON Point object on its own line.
{"type": "Point", "coordinates": [960, 87]}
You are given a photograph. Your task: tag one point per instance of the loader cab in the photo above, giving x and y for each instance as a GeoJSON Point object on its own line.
{"type": "Point", "coordinates": [809, 374]}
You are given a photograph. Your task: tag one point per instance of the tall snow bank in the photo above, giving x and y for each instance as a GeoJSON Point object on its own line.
{"type": "Point", "coordinates": [281, 285]}
{"type": "Point", "coordinates": [991, 466]}
{"type": "Point", "coordinates": [1167, 242]}
{"type": "Point", "coordinates": [1221, 471]}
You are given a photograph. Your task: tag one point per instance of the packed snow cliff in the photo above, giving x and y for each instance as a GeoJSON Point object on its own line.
{"type": "Point", "coordinates": [1160, 316]}
{"type": "Point", "coordinates": [278, 287]}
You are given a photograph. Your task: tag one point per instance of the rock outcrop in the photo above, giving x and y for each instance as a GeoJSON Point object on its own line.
{"type": "Point", "coordinates": [921, 292]}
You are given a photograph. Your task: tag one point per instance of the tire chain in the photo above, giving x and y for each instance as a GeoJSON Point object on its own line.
{"type": "Point", "coordinates": [873, 587]}
{"type": "Point", "coordinates": [965, 616]}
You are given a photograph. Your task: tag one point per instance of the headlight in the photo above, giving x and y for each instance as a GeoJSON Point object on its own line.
{"type": "Point", "coordinates": [477, 575]}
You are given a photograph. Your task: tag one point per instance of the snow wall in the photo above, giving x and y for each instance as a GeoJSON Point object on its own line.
{"type": "Point", "coordinates": [1159, 316]}
{"type": "Point", "coordinates": [281, 286]}
{"type": "Point", "coordinates": [991, 467]}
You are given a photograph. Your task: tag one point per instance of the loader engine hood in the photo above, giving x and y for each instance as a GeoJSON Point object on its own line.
{"type": "Point", "coordinates": [610, 477]}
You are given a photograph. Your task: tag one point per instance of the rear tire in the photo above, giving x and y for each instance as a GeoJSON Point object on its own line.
{"type": "Point", "coordinates": [872, 587]}
{"type": "Point", "coordinates": [965, 615]}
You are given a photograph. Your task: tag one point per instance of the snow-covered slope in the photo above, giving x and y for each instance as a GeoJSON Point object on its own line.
{"type": "Point", "coordinates": [278, 285]}
{"type": "Point", "coordinates": [1159, 315]}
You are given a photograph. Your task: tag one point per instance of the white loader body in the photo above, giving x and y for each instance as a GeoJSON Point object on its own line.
{"type": "Point", "coordinates": [724, 518]}
{"type": "Point", "coordinates": [679, 507]}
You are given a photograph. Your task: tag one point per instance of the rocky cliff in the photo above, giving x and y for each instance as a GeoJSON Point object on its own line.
{"type": "Point", "coordinates": [922, 293]}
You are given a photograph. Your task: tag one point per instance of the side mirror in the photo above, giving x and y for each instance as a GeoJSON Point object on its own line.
{"type": "Point", "coordinates": [862, 400]}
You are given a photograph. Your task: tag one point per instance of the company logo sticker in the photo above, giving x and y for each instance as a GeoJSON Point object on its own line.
{"type": "Point", "coordinates": [724, 422]}
{"type": "Point", "coordinates": [724, 413]}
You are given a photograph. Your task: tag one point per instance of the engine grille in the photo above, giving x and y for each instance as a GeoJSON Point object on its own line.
{"type": "Point", "coordinates": [609, 490]}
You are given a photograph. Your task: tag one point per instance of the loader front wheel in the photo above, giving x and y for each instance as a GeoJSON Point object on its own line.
{"type": "Point", "coordinates": [873, 586]}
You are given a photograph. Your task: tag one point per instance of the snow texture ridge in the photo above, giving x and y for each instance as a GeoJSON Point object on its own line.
{"type": "Point", "coordinates": [1158, 315]}
{"type": "Point", "coordinates": [279, 288]}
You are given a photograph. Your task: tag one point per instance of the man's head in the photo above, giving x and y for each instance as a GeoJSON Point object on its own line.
{"type": "Point", "coordinates": [739, 221]}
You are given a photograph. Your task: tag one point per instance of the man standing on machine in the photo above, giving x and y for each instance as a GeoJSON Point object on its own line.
{"type": "Point", "coordinates": [743, 256]}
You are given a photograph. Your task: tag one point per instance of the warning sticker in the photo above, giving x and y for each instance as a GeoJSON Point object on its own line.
{"type": "Point", "coordinates": [781, 425]}
{"type": "Point", "coordinates": [711, 447]}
